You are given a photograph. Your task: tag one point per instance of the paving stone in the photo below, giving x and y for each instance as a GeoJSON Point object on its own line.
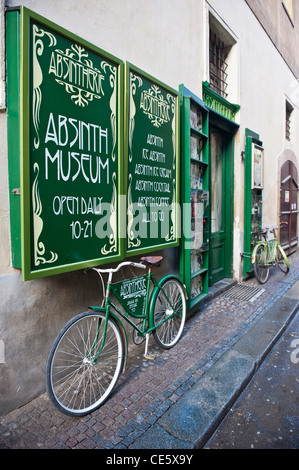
{"type": "Point", "coordinates": [151, 389]}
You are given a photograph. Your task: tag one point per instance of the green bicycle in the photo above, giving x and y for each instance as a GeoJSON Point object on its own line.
{"type": "Point", "coordinates": [90, 352]}
{"type": "Point", "coordinates": [267, 253]}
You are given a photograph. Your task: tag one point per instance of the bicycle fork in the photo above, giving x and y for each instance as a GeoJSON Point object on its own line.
{"type": "Point", "coordinates": [107, 309]}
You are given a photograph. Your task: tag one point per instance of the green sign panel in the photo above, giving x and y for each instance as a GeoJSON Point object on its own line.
{"type": "Point", "coordinates": [151, 143]}
{"type": "Point", "coordinates": [132, 294]}
{"type": "Point", "coordinates": [71, 151]}
{"type": "Point", "coordinates": [218, 104]}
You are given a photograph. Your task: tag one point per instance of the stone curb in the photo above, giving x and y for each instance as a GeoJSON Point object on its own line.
{"type": "Point", "coordinates": [190, 422]}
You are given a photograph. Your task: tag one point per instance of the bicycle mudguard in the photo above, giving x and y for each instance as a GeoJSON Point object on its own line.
{"type": "Point", "coordinates": [284, 256]}
{"type": "Point", "coordinates": [156, 291]}
{"type": "Point", "coordinates": [172, 276]}
{"type": "Point", "coordinates": [122, 331]}
{"type": "Point", "coordinates": [255, 250]}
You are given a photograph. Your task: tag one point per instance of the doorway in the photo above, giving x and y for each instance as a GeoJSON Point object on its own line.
{"type": "Point", "coordinates": [288, 206]}
{"type": "Point", "coordinates": [221, 205]}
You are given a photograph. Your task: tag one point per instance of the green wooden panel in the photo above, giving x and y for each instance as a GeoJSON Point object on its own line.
{"type": "Point", "coordinates": [13, 136]}
{"type": "Point", "coordinates": [224, 238]}
{"type": "Point", "coordinates": [218, 104]}
{"type": "Point", "coordinates": [71, 135]}
{"type": "Point", "coordinates": [249, 195]}
{"type": "Point", "coordinates": [247, 207]}
{"type": "Point", "coordinates": [152, 162]}
{"type": "Point", "coordinates": [218, 261]}
{"type": "Point", "coordinates": [133, 295]}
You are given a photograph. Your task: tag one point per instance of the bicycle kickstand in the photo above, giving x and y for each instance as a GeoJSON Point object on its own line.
{"type": "Point", "coordinates": [146, 347]}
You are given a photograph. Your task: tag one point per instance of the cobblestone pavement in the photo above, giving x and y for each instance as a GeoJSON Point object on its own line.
{"type": "Point", "coordinates": [149, 387]}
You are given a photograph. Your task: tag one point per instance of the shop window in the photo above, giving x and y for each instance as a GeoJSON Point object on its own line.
{"type": "Point", "coordinates": [221, 59]}
{"type": "Point", "coordinates": [218, 65]}
{"type": "Point", "coordinates": [289, 110]}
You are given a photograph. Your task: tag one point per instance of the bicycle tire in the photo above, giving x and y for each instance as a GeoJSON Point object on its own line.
{"type": "Point", "coordinates": [169, 333]}
{"type": "Point", "coordinates": [137, 338]}
{"type": "Point", "coordinates": [78, 382]}
{"type": "Point", "coordinates": [282, 260]}
{"type": "Point", "coordinates": [261, 270]}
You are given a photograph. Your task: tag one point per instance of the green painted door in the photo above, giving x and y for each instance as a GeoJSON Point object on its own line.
{"type": "Point", "coordinates": [221, 200]}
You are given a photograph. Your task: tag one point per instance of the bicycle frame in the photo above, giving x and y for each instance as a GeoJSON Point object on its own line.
{"type": "Point", "coordinates": [270, 250]}
{"type": "Point", "coordinates": [271, 247]}
{"type": "Point", "coordinates": [91, 350]}
{"type": "Point", "coordinates": [146, 315]}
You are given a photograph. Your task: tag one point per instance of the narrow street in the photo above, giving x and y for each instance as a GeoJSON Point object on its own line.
{"type": "Point", "coordinates": [266, 416]}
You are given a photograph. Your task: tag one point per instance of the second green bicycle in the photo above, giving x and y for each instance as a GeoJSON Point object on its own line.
{"type": "Point", "coordinates": [267, 253]}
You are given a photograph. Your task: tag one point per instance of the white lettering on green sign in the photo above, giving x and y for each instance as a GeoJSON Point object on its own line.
{"type": "Point", "coordinates": [133, 287]}
{"type": "Point", "coordinates": [155, 107]}
{"type": "Point", "coordinates": [68, 165]}
{"type": "Point", "coordinates": [75, 71]}
{"type": "Point", "coordinates": [219, 107]}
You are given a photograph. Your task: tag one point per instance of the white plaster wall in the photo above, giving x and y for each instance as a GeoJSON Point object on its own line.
{"type": "Point", "coordinates": [5, 258]}
{"type": "Point", "coordinates": [4, 199]}
{"type": "Point", "coordinates": [162, 37]}
{"type": "Point", "coordinates": [265, 81]}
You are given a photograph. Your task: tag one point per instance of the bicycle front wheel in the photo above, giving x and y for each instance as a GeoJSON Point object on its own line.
{"type": "Point", "coordinates": [79, 377]}
{"type": "Point", "coordinates": [169, 308]}
{"type": "Point", "coordinates": [261, 270]}
{"type": "Point", "coordinates": [282, 260]}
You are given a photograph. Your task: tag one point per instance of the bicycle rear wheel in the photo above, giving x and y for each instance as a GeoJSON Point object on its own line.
{"type": "Point", "coordinates": [169, 303]}
{"type": "Point", "coordinates": [282, 260]}
{"type": "Point", "coordinates": [261, 270]}
{"type": "Point", "coordinates": [79, 381]}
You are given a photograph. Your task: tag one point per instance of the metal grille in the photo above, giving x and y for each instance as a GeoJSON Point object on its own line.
{"type": "Point", "coordinates": [288, 122]}
{"type": "Point", "coordinates": [218, 66]}
{"type": "Point", "coordinates": [245, 293]}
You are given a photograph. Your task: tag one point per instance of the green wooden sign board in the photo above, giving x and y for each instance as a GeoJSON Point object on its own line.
{"type": "Point", "coordinates": [71, 142]}
{"type": "Point", "coordinates": [152, 162]}
{"type": "Point", "coordinates": [132, 295]}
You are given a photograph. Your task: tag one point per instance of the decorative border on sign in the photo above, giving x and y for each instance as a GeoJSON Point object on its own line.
{"type": "Point", "coordinates": [39, 247]}
{"type": "Point", "coordinates": [38, 48]}
{"type": "Point", "coordinates": [112, 221]}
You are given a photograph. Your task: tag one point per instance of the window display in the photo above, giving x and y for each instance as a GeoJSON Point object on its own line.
{"type": "Point", "coordinates": [195, 118]}
{"type": "Point", "coordinates": [194, 251]}
{"type": "Point", "coordinates": [196, 148]}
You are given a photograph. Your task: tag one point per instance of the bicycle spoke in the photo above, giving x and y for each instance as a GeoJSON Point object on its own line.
{"type": "Point", "coordinates": [81, 374]}
{"type": "Point", "coordinates": [169, 313]}
{"type": "Point", "coordinates": [261, 266]}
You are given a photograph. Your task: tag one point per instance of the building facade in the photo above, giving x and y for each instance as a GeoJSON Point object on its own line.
{"type": "Point", "coordinates": [235, 63]}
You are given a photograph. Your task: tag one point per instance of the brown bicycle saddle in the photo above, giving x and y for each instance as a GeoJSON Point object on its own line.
{"type": "Point", "coordinates": [152, 259]}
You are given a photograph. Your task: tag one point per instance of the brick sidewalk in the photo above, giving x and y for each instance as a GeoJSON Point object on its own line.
{"type": "Point", "coordinates": [148, 387]}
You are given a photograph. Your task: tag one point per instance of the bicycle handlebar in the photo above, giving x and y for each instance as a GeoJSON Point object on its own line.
{"type": "Point", "coordinates": [264, 232]}
{"type": "Point", "coordinates": [125, 263]}
{"type": "Point", "coordinates": [273, 228]}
